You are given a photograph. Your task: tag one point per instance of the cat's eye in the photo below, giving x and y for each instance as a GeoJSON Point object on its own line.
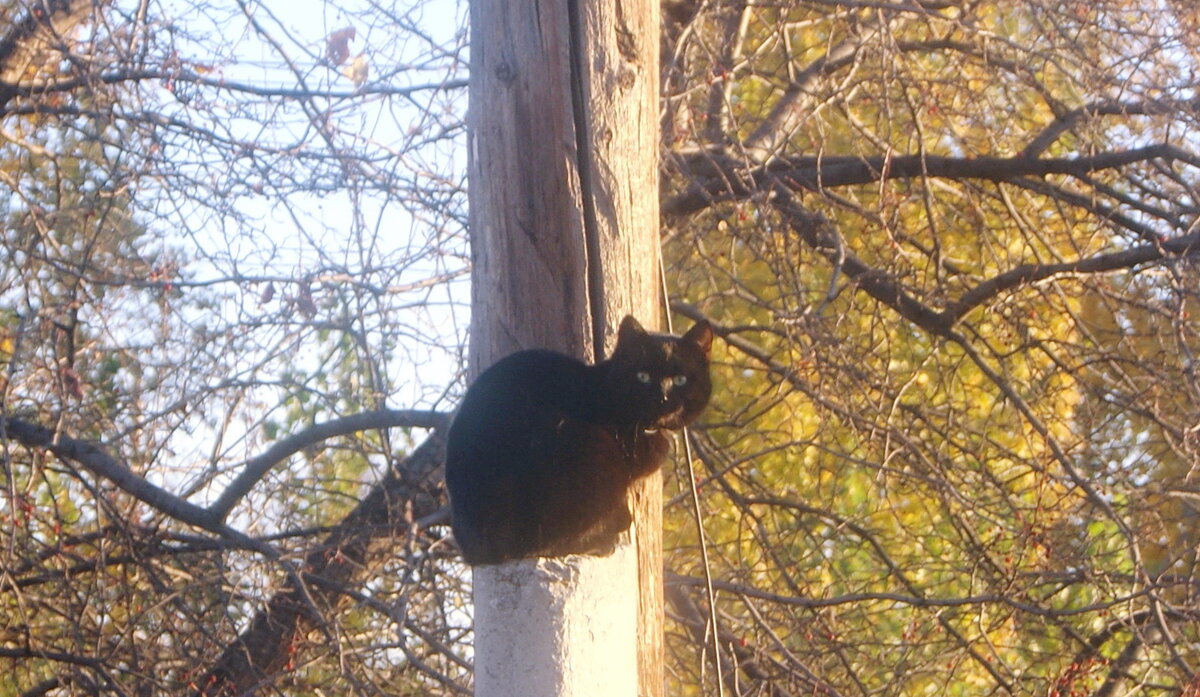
{"type": "Point", "coordinates": [679, 380]}
{"type": "Point", "coordinates": [643, 376]}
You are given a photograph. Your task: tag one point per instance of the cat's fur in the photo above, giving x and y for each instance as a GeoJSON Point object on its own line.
{"type": "Point", "coordinates": [544, 446]}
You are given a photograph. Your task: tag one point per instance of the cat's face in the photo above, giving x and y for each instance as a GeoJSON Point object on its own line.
{"type": "Point", "coordinates": [661, 380]}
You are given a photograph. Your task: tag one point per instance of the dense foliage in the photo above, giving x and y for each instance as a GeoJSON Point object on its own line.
{"type": "Point", "coordinates": [948, 245]}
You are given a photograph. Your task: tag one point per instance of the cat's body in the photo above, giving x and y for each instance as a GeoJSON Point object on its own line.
{"type": "Point", "coordinates": [544, 446]}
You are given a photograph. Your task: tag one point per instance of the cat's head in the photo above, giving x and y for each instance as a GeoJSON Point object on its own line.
{"type": "Point", "coordinates": [660, 380]}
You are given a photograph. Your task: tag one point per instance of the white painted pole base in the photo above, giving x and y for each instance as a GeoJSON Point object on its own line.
{"type": "Point", "coordinates": [557, 627]}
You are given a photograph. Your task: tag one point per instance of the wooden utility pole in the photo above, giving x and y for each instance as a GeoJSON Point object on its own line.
{"type": "Point", "coordinates": [563, 150]}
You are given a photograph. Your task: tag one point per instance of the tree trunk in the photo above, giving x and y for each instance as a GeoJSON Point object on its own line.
{"type": "Point", "coordinates": [564, 242]}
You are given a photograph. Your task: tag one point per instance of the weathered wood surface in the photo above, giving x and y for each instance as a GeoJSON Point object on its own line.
{"type": "Point", "coordinates": [564, 206]}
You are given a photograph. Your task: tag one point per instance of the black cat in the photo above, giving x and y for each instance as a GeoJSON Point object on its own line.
{"type": "Point", "coordinates": [544, 446]}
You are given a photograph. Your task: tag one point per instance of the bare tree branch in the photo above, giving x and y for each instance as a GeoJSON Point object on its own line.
{"type": "Point", "coordinates": [1027, 274]}
{"type": "Point", "coordinates": [828, 172]}
{"type": "Point", "coordinates": [821, 236]}
{"type": "Point", "coordinates": [26, 43]}
{"type": "Point", "coordinates": [96, 460]}
{"type": "Point", "coordinates": [99, 462]}
{"type": "Point", "coordinates": [410, 491]}
{"type": "Point", "coordinates": [185, 76]}
{"type": "Point", "coordinates": [258, 466]}
{"type": "Point", "coordinates": [1070, 119]}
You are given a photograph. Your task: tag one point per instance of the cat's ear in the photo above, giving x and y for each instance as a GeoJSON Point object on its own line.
{"type": "Point", "coordinates": [700, 334]}
{"type": "Point", "coordinates": [630, 328]}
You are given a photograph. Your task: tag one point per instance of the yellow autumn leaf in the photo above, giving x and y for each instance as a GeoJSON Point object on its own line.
{"type": "Point", "coordinates": [358, 71]}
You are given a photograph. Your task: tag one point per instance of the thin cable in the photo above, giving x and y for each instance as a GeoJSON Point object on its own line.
{"type": "Point", "coordinates": [696, 514]}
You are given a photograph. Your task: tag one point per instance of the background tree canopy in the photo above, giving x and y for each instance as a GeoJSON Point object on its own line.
{"type": "Point", "coordinates": [948, 248]}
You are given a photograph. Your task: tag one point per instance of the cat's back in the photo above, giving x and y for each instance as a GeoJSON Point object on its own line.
{"type": "Point", "coordinates": [513, 392]}
{"type": "Point", "coordinates": [529, 378]}
{"type": "Point", "coordinates": [528, 367]}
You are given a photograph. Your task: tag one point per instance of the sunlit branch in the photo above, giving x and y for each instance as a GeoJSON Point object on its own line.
{"type": "Point", "coordinates": [885, 289]}
{"type": "Point", "coordinates": [51, 655]}
{"type": "Point", "coordinates": [100, 668]}
{"type": "Point", "coordinates": [408, 493]}
{"type": "Point", "coordinates": [819, 173]}
{"type": "Point", "coordinates": [1068, 120]}
{"type": "Point", "coordinates": [917, 600]}
{"type": "Point", "coordinates": [393, 614]}
{"type": "Point", "coordinates": [255, 468]}
{"type": "Point", "coordinates": [105, 277]}
{"type": "Point", "coordinates": [745, 657]}
{"type": "Point", "coordinates": [789, 374]}
{"type": "Point", "coordinates": [733, 27]}
{"type": "Point", "coordinates": [100, 462]}
{"type": "Point", "coordinates": [796, 102]}
{"type": "Point", "coordinates": [148, 543]}
{"type": "Point", "coordinates": [27, 42]}
{"type": "Point", "coordinates": [185, 76]}
{"type": "Point", "coordinates": [1026, 274]}
{"type": "Point", "coordinates": [1099, 211]}
{"type": "Point", "coordinates": [822, 237]}
{"type": "Point", "coordinates": [1088, 487]}
{"type": "Point", "coordinates": [915, 597]}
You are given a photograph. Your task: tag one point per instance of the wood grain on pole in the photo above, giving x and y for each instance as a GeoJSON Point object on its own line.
{"type": "Point", "coordinates": [564, 204]}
